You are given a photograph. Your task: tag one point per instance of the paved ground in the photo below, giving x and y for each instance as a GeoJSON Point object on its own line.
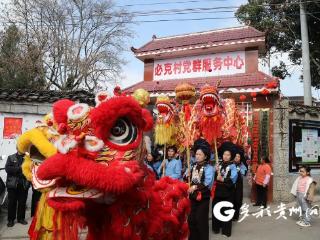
{"type": "Point", "coordinates": [268, 228]}
{"type": "Point", "coordinates": [265, 228]}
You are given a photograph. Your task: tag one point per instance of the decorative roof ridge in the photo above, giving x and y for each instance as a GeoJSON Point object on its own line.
{"type": "Point", "coordinates": [206, 32]}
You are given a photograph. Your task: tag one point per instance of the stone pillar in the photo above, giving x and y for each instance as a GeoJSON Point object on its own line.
{"type": "Point", "coordinates": [281, 181]}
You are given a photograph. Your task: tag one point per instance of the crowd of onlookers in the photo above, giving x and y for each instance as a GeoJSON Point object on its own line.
{"type": "Point", "coordinates": [222, 180]}
{"type": "Point", "coordinates": [219, 178]}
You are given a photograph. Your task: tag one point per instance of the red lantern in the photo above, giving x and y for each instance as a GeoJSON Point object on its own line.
{"type": "Point", "coordinates": [272, 84]}
{"type": "Point", "coordinates": [242, 97]}
{"type": "Point", "coordinates": [253, 94]}
{"type": "Point", "coordinates": [265, 92]}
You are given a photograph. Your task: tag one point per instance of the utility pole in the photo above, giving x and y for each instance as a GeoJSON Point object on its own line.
{"type": "Point", "coordinates": [305, 56]}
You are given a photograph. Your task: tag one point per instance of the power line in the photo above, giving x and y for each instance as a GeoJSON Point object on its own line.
{"type": "Point", "coordinates": [182, 13]}
{"type": "Point", "coordinates": [166, 3]}
{"type": "Point", "coordinates": [183, 19]}
{"type": "Point", "coordinates": [143, 21]}
{"type": "Point", "coordinates": [171, 11]}
{"type": "Point", "coordinates": [259, 5]}
{"type": "Point", "coordinates": [215, 8]}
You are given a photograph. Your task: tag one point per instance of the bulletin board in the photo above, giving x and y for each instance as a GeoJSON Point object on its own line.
{"type": "Point", "coordinates": [304, 144]}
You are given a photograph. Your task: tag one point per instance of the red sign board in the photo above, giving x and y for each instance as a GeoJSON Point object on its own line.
{"type": "Point", "coordinates": [12, 127]}
{"type": "Point", "coordinates": [200, 66]}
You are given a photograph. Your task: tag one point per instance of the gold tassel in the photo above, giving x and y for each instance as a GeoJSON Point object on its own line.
{"type": "Point", "coordinates": [164, 134]}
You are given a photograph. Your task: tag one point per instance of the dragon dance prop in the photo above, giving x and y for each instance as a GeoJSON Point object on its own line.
{"type": "Point", "coordinates": [235, 127]}
{"type": "Point", "coordinates": [215, 119]}
{"type": "Point", "coordinates": [187, 127]}
{"type": "Point", "coordinates": [210, 115]}
{"type": "Point", "coordinates": [165, 129]}
{"type": "Point", "coordinates": [99, 184]}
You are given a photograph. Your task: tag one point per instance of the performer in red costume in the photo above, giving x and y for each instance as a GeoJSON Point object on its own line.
{"type": "Point", "coordinates": [100, 185]}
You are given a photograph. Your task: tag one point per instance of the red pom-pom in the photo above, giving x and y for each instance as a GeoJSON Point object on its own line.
{"type": "Point", "coordinates": [102, 97]}
{"type": "Point", "coordinates": [62, 128]}
{"type": "Point", "coordinates": [117, 91]}
{"type": "Point", "coordinates": [49, 123]}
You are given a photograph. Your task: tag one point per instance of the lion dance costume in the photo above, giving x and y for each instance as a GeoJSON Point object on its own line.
{"type": "Point", "coordinates": [98, 184]}
{"type": "Point", "coordinates": [38, 144]}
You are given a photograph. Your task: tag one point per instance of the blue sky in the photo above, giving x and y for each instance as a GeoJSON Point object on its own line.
{"type": "Point", "coordinates": [133, 71]}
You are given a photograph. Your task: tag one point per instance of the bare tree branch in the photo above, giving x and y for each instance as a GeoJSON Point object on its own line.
{"type": "Point", "coordinates": [79, 40]}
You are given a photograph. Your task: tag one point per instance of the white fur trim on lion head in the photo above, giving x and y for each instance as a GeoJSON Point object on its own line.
{"type": "Point", "coordinates": [93, 144]}
{"type": "Point", "coordinates": [78, 111]}
{"type": "Point", "coordinates": [65, 143]}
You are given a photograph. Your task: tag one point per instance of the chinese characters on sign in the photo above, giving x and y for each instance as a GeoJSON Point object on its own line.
{"type": "Point", "coordinates": [12, 127]}
{"type": "Point", "coordinates": [200, 66]}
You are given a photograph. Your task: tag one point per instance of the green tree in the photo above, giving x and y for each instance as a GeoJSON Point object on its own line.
{"type": "Point", "coordinates": [280, 20]}
{"type": "Point", "coordinates": [19, 67]}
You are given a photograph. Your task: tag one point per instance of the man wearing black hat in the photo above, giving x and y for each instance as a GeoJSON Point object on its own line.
{"type": "Point", "coordinates": [202, 175]}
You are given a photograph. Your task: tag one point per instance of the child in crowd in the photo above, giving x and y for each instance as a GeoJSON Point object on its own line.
{"type": "Point", "coordinates": [303, 189]}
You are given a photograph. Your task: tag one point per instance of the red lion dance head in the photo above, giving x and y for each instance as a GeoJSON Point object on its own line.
{"type": "Point", "coordinates": [100, 185]}
{"type": "Point", "coordinates": [211, 114]}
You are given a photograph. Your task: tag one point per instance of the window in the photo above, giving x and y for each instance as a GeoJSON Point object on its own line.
{"type": "Point", "coordinates": [304, 144]}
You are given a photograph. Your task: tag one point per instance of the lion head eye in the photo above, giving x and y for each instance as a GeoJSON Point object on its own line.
{"type": "Point", "coordinates": [123, 132]}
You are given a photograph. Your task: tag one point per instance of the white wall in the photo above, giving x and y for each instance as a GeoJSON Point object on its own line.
{"type": "Point", "coordinates": [8, 146]}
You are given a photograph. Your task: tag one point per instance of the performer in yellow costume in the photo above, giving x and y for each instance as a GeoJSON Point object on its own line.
{"type": "Point", "coordinates": [38, 144]}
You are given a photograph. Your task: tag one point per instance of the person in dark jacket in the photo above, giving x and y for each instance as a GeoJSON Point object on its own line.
{"type": "Point", "coordinates": [17, 186]}
{"type": "Point", "coordinates": [202, 175]}
{"type": "Point", "coordinates": [242, 171]}
{"type": "Point", "coordinates": [34, 200]}
{"type": "Point", "coordinates": [224, 187]}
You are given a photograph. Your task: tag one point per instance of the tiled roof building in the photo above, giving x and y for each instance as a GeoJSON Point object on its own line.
{"type": "Point", "coordinates": [233, 60]}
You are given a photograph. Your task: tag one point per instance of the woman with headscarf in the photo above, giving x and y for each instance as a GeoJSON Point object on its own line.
{"type": "Point", "coordinates": [242, 171]}
{"type": "Point", "coordinates": [202, 175]}
{"type": "Point", "coordinates": [224, 188]}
